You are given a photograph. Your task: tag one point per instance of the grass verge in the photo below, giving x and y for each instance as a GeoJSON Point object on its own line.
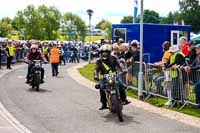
{"type": "Point", "coordinates": [93, 38]}
{"type": "Point", "coordinates": [87, 72]}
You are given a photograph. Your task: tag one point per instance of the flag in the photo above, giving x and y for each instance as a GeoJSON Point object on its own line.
{"type": "Point", "coordinates": [175, 22]}
{"type": "Point", "coordinates": [182, 22]}
{"type": "Point", "coordinates": [135, 11]}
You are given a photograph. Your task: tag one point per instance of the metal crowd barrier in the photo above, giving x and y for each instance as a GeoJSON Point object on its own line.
{"type": "Point", "coordinates": [133, 70]}
{"type": "Point", "coordinates": [174, 84]}
{"type": "Point", "coordinates": [18, 57]}
{"type": "Point", "coordinates": [192, 78]}
{"type": "Point", "coordinates": [155, 81]}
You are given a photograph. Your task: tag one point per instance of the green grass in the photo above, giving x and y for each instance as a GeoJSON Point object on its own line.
{"type": "Point", "coordinates": [94, 38]}
{"type": "Point", "coordinates": [87, 71]}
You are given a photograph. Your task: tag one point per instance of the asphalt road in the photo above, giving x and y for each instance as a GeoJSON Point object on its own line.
{"type": "Point", "coordinates": [64, 106]}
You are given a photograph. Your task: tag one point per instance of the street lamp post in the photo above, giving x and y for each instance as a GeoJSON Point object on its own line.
{"type": "Point", "coordinates": [140, 75]}
{"type": "Point", "coordinates": [90, 12]}
{"type": "Point", "coordinates": [22, 33]}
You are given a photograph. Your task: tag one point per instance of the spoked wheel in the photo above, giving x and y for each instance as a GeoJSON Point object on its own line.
{"type": "Point", "coordinates": [119, 110]}
{"type": "Point", "coordinates": [37, 88]}
{"type": "Point", "coordinates": [32, 86]}
{"type": "Point", "coordinates": [120, 115]}
{"type": "Point", "coordinates": [38, 79]}
{"type": "Point", "coordinates": [117, 107]}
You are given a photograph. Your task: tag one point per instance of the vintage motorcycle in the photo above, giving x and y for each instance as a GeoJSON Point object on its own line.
{"type": "Point", "coordinates": [35, 76]}
{"type": "Point", "coordinates": [112, 95]}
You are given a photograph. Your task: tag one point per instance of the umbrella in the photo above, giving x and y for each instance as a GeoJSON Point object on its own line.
{"type": "Point", "coordinates": [195, 38]}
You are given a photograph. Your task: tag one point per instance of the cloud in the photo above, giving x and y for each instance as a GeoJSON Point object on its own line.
{"type": "Point", "coordinates": [113, 10]}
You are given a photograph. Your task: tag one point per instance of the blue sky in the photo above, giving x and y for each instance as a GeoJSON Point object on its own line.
{"type": "Point", "coordinates": [113, 10]}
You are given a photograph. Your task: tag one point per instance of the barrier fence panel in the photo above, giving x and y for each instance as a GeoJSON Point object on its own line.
{"type": "Point", "coordinates": [133, 70]}
{"type": "Point", "coordinates": [175, 84]}
{"type": "Point", "coordinates": [18, 57]}
{"type": "Point", "coordinates": [155, 81]}
{"type": "Point", "coordinates": [192, 88]}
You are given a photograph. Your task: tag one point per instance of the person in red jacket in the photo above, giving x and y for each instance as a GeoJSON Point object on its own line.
{"type": "Point", "coordinates": [34, 55]}
{"type": "Point", "coordinates": [185, 49]}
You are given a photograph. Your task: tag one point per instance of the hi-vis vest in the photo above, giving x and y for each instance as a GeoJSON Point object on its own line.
{"type": "Point", "coordinates": [45, 50]}
{"type": "Point", "coordinates": [107, 68]}
{"type": "Point", "coordinates": [11, 50]}
{"type": "Point", "coordinates": [174, 73]}
{"type": "Point", "coordinates": [54, 55]}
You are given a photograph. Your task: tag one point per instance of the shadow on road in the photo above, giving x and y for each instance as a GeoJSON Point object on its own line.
{"type": "Point", "coordinates": [59, 76]}
{"type": "Point", "coordinates": [110, 117]}
{"type": "Point", "coordinates": [40, 91]}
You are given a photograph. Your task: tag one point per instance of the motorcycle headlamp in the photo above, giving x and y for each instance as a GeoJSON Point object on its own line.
{"type": "Point", "coordinates": [110, 81]}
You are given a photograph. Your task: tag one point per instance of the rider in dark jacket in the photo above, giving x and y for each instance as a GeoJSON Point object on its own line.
{"type": "Point", "coordinates": [34, 55]}
{"type": "Point", "coordinates": [113, 64]}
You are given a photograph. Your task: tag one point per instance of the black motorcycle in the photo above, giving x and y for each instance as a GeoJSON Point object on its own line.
{"type": "Point", "coordinates": [112, 95]}
{"type": "Point", "coordinates": [35, 76]}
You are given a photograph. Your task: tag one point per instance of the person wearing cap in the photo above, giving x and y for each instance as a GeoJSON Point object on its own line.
{"type": "Point", "coordinates": [54, 59]}
{"type": "Point", "coordinates": [1, 52]}
{"type": "Point", "coordinates": [175, 60]}
{"type": "Point", "coordinates": [160, 78]}
{"type": "Point", "coordinates": [192, 68]}
{"type": "Point", "coordinates": [166, 45]}
{"type": "Point", "coordinates": [132, 56]}
{"type": "Point", "coordinates": [10, 52]}
{"type": "Point", "coordinates": [192, 55]}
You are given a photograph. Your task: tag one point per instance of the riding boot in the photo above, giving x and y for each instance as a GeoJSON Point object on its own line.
{"type": "Point", "coordinates": [123, 95]}
{"type": "Point", "coordinates": [103, 100]}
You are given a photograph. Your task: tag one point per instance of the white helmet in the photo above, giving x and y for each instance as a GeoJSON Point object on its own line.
{"type": "Point", "coordinates": [105, 47]}
{"type": "Point", "coordinates": [134, 42]}
{"type": "Point", "coordinates": [174, 48]}
{"type": "Point", "coordinates": [34, 46]}
{"type": "Point", "coordinates": [121, 40]}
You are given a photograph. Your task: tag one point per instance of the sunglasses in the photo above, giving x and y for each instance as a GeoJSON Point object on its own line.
{"type": "Point", "coordinates": [104, 51]}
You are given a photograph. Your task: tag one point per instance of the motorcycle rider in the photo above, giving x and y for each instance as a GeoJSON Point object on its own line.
{"type": "Point", "coordinates": [106, 64]}
{"type": "Point", "coordinates": [34, 55]}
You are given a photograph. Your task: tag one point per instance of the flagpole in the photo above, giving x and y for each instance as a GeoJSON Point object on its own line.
{"type": "Point", "coordinates": [140, 74]}
{"type": "Point", "coordinates": [135, 10]}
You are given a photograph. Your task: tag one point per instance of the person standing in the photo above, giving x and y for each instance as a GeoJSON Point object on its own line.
{"type": "Point", "coordinates": [1, 52]}
{"type": "Point", "coordinates": [61, 55]}
{"type": "Point", "coordinates": [54, 59]}
{"type": "Point", "coordinates": [45, 51]}
{"type": "Point", "coordinates": [193, 69]}
{"type": "Point", "coordinates": [185, 49]}
{"type": "Point", "coordinates": [176, 59]}
{"type": "Point", "coordinates": [10, 53]}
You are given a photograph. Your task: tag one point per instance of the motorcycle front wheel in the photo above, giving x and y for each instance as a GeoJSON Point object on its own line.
{"type": "Point", "coordinates": [116, 105]}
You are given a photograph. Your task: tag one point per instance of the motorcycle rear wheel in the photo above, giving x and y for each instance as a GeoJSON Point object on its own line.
{"type": "Point", "coordinates": [37, 88]}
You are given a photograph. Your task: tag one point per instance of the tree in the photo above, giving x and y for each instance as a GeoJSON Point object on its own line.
{"type": "Point", "coordinates": [106, 26]}
{"type": "Point", "coordinates": [150, 16]}
{"type": "Point", "coordinates": [127, 19]}
{"type": "Point", "coordinates": [5, 26]}
{"type": "Point", "coordinates": [42, 23]}
{"type": "Point", "coordinates": [50, 21]}
{"type": "Point", "coordinates": [171, 17]}
{"type": "Point", "coordinates": [190, 10]}
{"type": "Point", "coordinates": [75, 26]}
